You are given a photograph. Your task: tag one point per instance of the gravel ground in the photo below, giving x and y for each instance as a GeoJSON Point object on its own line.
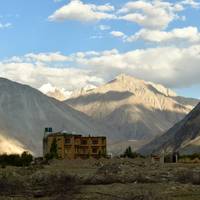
{"type": "Point", "coordinates": [126, 179]}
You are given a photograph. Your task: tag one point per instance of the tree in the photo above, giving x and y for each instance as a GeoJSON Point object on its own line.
{"type": "Point", "coordinates": [54, 149]}
{"type": "Point", "coordinates": [129, 153]}
{"type": "Point", "coordinates": [48, 156]}
{"type": "Point", "coordinates": [26, 158]}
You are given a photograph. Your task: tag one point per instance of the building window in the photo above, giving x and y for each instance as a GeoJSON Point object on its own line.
{"type": "Point", "coordinates": [94, 150]}
{"type": "Point", "coordinates": [77, 150]}
{"type": "Point", "coordinates": [67, 140]}
{"type": "Point", "coordinates": [77, 141]}
{"type": "Point", "coordinates": [83, 150]}
{"type": "Point", "coordinates": [95, 142]}
{"type": "Point", "coordinates": [67, 150]}
{"type": "Point", "coordinates": [104, 150]}
{"type": "Point", "coordinates": [84, 142]}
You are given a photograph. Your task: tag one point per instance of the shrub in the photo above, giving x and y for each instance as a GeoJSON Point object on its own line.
{"type": "Point", "coordinates": [190, 157]}
{"type": "Point", "coordinates": [26, 158]}
{"type": "Point", "coordinates": [130, 154]}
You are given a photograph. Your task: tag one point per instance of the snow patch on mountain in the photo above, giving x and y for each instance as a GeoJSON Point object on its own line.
{"type": "Point", "coordinates": [61, 94]}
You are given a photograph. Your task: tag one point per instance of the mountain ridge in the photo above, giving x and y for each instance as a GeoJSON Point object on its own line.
{"type": "Point", "coordinates": [126, 110]}
{"type": "Point", "coordinates": [135, 108]}
{"type": "Point", "coordinates": [25, 112]}
{"type": "Point", "coordinates": [183, 137]}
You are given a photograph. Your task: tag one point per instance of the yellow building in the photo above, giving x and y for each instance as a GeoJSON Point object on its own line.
{"type": "Point", "coordinates": [71, 146]}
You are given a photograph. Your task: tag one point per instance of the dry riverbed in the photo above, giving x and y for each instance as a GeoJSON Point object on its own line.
{"type": "Point", "coordinates": [115, 179]}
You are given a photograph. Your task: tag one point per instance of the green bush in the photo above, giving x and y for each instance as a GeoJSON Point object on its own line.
{"type": "Point", "coordinates": [53, 149]}
{"type": "Point", "coordinates": [130, 154]}
{"type": "Point", "coordinates": [26, 158]}
{"type": "Point", "coordinates": [48, 156]}
{"type": "Point", "coordinates": [191, 157]}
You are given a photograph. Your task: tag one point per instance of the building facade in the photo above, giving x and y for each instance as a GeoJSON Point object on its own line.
{"type": "Point", "coordinates": [71, 146]}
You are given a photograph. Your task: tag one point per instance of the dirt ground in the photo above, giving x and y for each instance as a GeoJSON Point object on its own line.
{"type": "Point", "coordinates": [114, 179]}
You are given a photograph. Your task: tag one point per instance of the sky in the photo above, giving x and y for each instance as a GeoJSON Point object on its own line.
{"type": "Point", "coordinates": [78, 43]}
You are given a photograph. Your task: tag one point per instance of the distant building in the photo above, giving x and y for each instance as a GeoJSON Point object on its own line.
{"type": "Point", "coordinates": [172, 157]}
{"type": "Point", "coordinates": [157, 158]}
{"type": "Point", "coordinates": [71, 146]}
{"type": "Point", "coordinates": [165, 158]}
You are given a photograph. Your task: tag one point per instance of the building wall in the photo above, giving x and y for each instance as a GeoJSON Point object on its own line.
{"type": "Point", "coordinates": [60, 145]}
{"type": "Point", "coordinates": [76, 146]}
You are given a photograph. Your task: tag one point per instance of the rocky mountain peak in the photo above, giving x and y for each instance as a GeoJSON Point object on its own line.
{"type": "Point", "coordinates": [137, 109]}
{"type": "Point", "coordinates": [130, 83]}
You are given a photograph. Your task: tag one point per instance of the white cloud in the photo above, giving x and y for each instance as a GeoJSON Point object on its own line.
{"type": "Point", "coordinates": [38, 74]}
{"type": "Point", "coordinates": [118, 34]}
{"type": "Point", "coordinates": [47, 57]}
{"type": "Point", "coordinates": [153, 14]}
{"type": "Point", "coordinates": [52, 57]}
{"type": "Point", "coordinates": [150, 14]}
{"type": "Point", "coordinates": [185, 35]}
{"type": "Point", "coordinates": [104, 27]}
{"type": "Point", "coordinates": [77, 10]}
{"type": "Point", "coordinates": [6, 25]}
{"type": "Point", "coordinates": [191, 3]}
{"type": "Point", "coordinates": [172, 66]}
{"type": "Point", "coordinates": [104, 8]}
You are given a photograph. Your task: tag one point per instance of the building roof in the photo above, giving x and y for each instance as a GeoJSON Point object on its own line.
{"type": "Point", "coordinates": [65, 133]}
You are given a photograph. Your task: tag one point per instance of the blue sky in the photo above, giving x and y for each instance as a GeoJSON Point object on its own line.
{"type": "Point", "coordinates": [32, 32]}
{"type": "Point", "coordinates": [80, 41]}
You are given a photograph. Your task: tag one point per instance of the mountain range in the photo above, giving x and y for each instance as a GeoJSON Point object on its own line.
{"type": "Point", "coordinates": [25, 112]}
{"type": "Point", "coordinates": [183, 137]}
{"type": "Point", "coordinates": [127, 110]}
{"type": "Point", "coordinates": [135, 110]}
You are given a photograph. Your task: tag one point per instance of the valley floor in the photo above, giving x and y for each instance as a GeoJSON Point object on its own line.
{"type": "Point", "coordinates": [115, 179]}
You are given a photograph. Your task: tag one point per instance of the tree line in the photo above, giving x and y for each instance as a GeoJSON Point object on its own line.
{"type": "Point", "coordinates": [18, 160]}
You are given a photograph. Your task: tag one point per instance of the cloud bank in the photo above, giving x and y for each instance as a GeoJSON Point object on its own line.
{"type": "Point", "coordinates": [173, 60]}
{"type": "Point", "coordinates": [171, 66]}
{"type": "Point", "coordinates": [77, 10]}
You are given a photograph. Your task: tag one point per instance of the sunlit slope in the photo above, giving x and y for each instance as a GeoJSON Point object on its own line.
{"type": "Point", "coordinates": [183, 137]}
{"type": "Point", "coordinates": [136, 109]}
{"type": "Point", "coordinates": [25, 112]}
